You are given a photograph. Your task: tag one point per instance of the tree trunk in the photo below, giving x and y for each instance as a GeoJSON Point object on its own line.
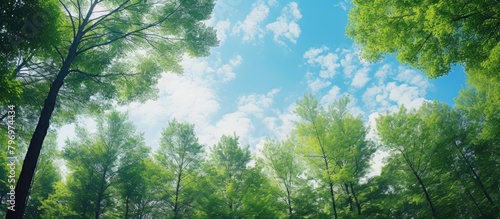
{"type": "Point", "coordinates": [177, 190]}
{"type": "Point", "coordinates": [474, 201]}
{"type": "Point", "coordinates": [100, 196]}
{"type": "Point", "coordinates": [126, 207]}
{"type": "Point", "coordinates": [349, 198]}
{"type": "Point", "coordinates": [427, 196]}
{"type": "Point", "coordinates": [330, 183]}
{"type": "Point", "coordinates": [358, 205]}
{"type": "Point", "coordinates": [35, 146]}
{"type": "Point", "coordinates": [476, 176]}
{"type": "Point", "coordinates": [31, 158]}
{"type": "Point", "coordinates": [289, 200]}
{"type": "Point", "coordinates": [333, 200]}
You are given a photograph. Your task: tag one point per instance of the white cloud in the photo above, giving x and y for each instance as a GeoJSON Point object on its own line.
{"type": "Point", "coordinates": [383, 72]}
{"type": "Point", "coordinates": [331, 96]}
{"type": "Point", "coordinates": [327, 62]}
{"type": "Point", "coordinates": [350, 62]}
{"type": "Point", "coordinates": [281, 124]}
{"type": "Point", "coordinates": [361, 78]}
{"type": "Point", "coordinates": [226, 72]}
{"type": "Point", "coordinates": [256, 104]}
{"type": "Point", "coordinates": [286, 24]}
{"type": "Point", "coordinates": [343, 4]}
{"type": "Point", "coordinates": [222, 27]}
{"type": "Point", "coordinates": [318, 84]}
{"type": "Point", "coordinates": [190, 97]}
{"type": "Point", "coordinates": [250, 111]}
{"type": "Point", "coordinates": [312, 54]}
{"type": "Point", "coordinates": [251, 26]}
{"type": "Point", "coordinates": [413, 77]}
{"type": "Point", "coordinates": [407, 88]}
{"type": "Point", "coordinates": [271, 2]}
{"type": "Point", "coordinates": [405, 95]}
{"type": "Point", "coordinates": [236, 122]}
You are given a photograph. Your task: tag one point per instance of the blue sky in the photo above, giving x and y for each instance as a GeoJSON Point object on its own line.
{"type": "Point", "coordinates": [271, 54]}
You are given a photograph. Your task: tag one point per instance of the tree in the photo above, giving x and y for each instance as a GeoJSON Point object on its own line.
{"type": "Point", "coordinates": [93, 63]}
{"type": "Point", "coordinates": [286, 171]}
{"type": "Point", "coordinates": [56, 205]}
{"type": "Point", "coordinates": [428, 35]}
{"type": "Point", "coordinates": [351, 151]}
{"type": "Point", "coordinates": [95, 161]}
{"type": "Point", "coordinates": [135, 185]}
{"type": "Point", "coordinates": [477, 148]}
{"type": "Point", "coordinates": [312, 131]}
{"type": "Point", "coordinates": [180, 155]}
{"type": "Point", "coordinates": [46, 176]}
{"type": "Point", "coordinates": [335, 141]}
{"type": "Point", "coordinates": [28, 28]}
{"type": "Point", "coordinates": [232, 188]}
{"type": "Point", "coordinates": [411, 143]}
{"type": "Point", "coordinates": [432, 36]}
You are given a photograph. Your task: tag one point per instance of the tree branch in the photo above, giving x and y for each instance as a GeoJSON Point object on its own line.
{"type": "Point", "coordinates": [132, 32]}
{"type": "Point", "coordinates": [70, 17]}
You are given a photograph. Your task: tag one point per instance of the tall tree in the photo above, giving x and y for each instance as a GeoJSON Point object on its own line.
{"type": "Point", "coordinates": [351, 151]}
{"type": "Point", "coordinates": [135, 185]}
{"type": "Point", "coordinates": [433, 36]}
{"type": "Point", "coordinates": [46, 177]}
{"type": "Point", "coordinates": [436, 159]}
{"type": "Point", "coordinates": [405, 134]}
{"type": "Point", "coordinates": [180, 155]}
{"type": "Point", "coordinates": [232, 188]}
{"type": "Point", "coordinates": [95, 161]}
{"type": "Point", "coordinates": [336, 141]}
{"type": "Point", "coordinates": [312, 130]}
{"type": "Point", "coordinates": [93, 60]}
{"type": "Point", "coordinates": [476, 147]}
{"type": "Point", "coordinates": [286, 170]}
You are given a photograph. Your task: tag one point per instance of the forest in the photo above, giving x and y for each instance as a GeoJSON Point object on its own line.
{"type": "Point", "coordinates": [62, 59]}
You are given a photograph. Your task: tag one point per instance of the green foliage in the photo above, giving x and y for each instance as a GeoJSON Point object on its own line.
{"type": "Point", "coordinates": [232, 188]}
{"type": "Point", "coordinates": [428, 35]}
{"type": "Point", "coordinates": [46, 177]}
{"type": "Point", "coordinates": [56, 205]}
{"type": "Point", "coordinates": [335, 142]}
{"type": "Point", "coordinates": [436, 148]}
{"type": "Point", "coordinates": [180, 155]}
{"type": "Point", "coordinates": [96, 160]}
{"type": "Point", "coordinates": [286, 170]}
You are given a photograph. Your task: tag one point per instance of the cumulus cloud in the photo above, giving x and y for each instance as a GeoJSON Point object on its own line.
{"type": "Point", "coordinates": [251, 26]}
{"type": "Point", "coordinates": [282, 123]}
{"type": "Point", "coordinates": [256, 104]}
{"type": "Point", "coordinates": [383, 72]}
{"type": "Point", "coordinates": [317, 84]}
{"type": "Point", "coordinates": [190, 97]}
{"type": "Point", "coordinates": [237, 122]}
{"type": "Point", "coordinates": [405, 87]}
{"type": "Point", "coordinates": [222, 27]}
{"type": "Point", "coordinates": [327, 61]}
{"type": "Point", "coordinates": [413, 77]}
{"type": "Point", "coordinates": [226, 72]}
{"type": "Point", "coordinates": [331, 96]}
{"type": "Point", "coordinates": [361, 78]}
{"type": "Point", "coordinates": [349, 62]}
{"type": "Point", "coordinates": [286, 25]}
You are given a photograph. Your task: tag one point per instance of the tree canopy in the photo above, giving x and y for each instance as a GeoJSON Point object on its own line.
{"type": "Point", "coordinates": [93, 59]}
{"type": "Point", "coordinates": [428, 35]}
